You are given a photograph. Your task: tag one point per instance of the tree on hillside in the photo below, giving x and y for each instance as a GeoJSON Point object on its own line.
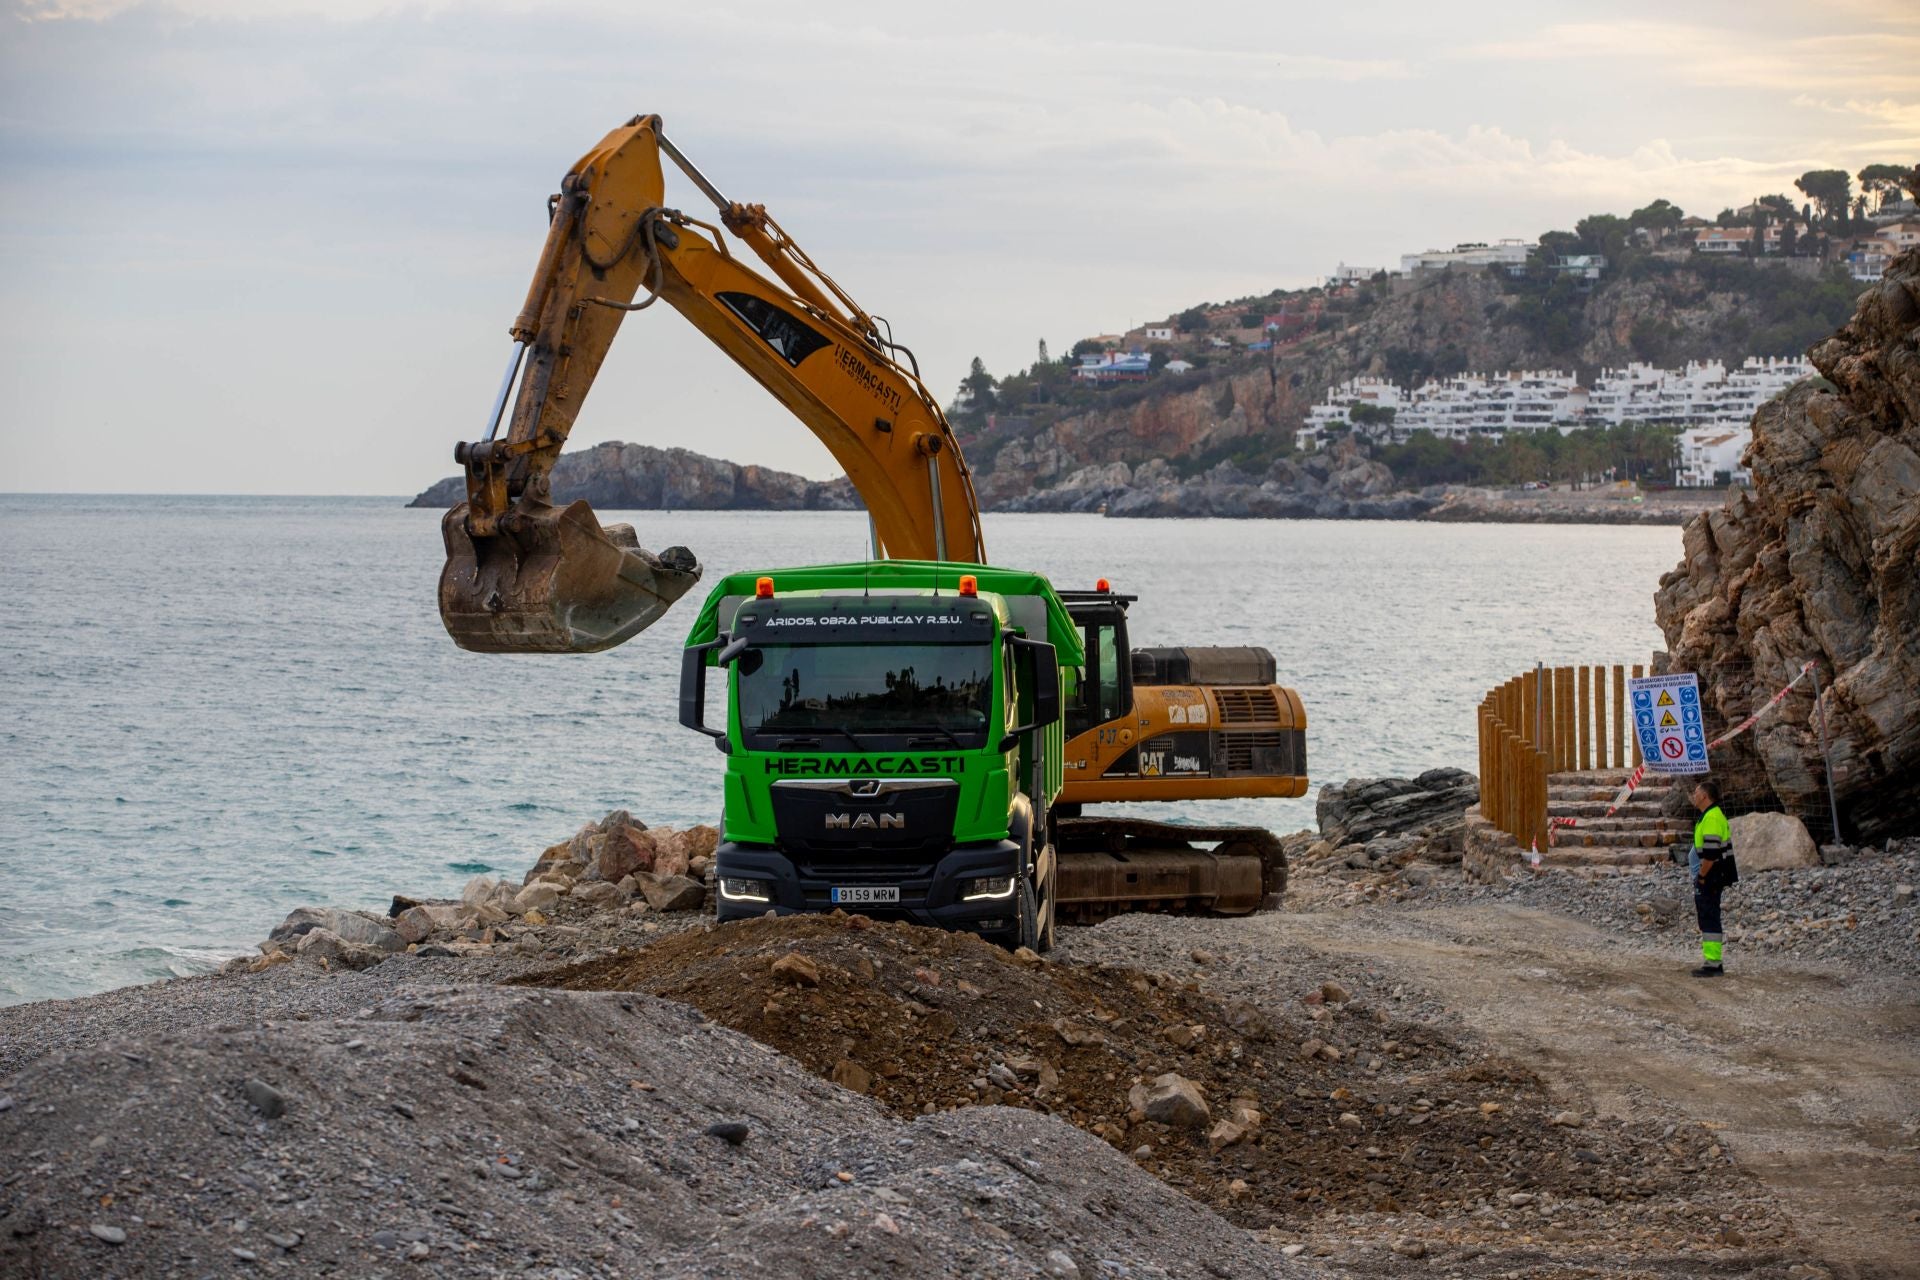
{"type": "Point", "coordinates": [1087, 347]}
{"type": "Point", "coordinates": [1251, 319]}
{"type": "Point", "coordinates": [1778, 205]}
{"type": "Point", "coordinates": [1912, 183]}
{"type": "Point", "coordinates": [1041, 356]}
{"type": "Point", "coordinates": [977, 388]}
{"type": "Point", "coordinates": [1725, 218]}
{"type": "Point", "coordinates": [1662, 218]}
{"type": "Point", "coordinates": [1883, 182]}
{"type": "Point", "coordinates": [1602, 233]}
{"type": "Point", "coordinates": [1192, 320]}
{"type": "Point", "coordinates": [1831, 189]}
{"type": "Point", "coordinates": [1558, 244]}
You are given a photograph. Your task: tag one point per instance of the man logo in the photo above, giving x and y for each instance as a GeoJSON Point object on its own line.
{"type": "Point", "coordinates": [866, 822]}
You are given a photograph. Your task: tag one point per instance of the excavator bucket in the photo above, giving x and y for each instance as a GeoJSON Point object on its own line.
{"type": "Point", "coordinates": [557, 583]}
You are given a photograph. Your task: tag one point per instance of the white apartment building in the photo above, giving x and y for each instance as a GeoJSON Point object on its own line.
{"type": "Point", "coordinates": [1488, 406]}
{"type": "Point", "coordinates": [1511, 254]}
{"type": "Point", "coordinates": [1707, 453]}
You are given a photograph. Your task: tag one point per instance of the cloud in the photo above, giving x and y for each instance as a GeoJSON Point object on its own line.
{"type": "Point", "coordinates": [1725, 57]}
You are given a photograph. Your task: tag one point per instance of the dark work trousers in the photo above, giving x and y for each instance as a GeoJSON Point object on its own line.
{"type": "Point", "coordinates": [1706, 907]}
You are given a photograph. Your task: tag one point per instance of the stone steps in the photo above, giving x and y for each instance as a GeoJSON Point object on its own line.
{"type": "Point", "coordinates": [1634, 839]}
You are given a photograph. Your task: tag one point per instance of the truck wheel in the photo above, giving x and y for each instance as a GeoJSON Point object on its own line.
{"type": "Point", "coordinates": [1027, 925]}
{"type": "Point", "coordinates": [1049, 910]}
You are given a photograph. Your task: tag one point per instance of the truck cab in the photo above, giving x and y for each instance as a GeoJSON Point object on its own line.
{"type": "Point", "coordinates": [894, 742]}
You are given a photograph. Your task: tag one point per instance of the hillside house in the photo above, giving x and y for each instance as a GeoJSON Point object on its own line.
{"type": "Point", "coordinates": [1509, 254]}
{"type": "Point", "coordinates": [1724, 240]}
{"type": "Point", "coordinates": [1178, 366]}
{"type": "Point", "coordinates": [1161, 332]}
{"type": "Point", "coordinates": [1113, 366]}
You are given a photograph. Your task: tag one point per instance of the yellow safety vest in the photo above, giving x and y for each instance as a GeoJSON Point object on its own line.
{"type": "Point", "coordinates": [1712, 823]}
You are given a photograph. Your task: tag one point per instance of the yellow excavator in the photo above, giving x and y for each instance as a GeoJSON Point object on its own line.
{"type": "Point", "coordinates": [524, 576]}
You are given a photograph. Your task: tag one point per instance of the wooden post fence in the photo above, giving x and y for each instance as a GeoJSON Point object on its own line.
{"type": "Point", "coordinates": [1554, 720]}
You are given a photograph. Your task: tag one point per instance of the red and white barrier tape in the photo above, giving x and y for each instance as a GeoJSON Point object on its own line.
{"type": "Point", "coordinates": [1640, 770]}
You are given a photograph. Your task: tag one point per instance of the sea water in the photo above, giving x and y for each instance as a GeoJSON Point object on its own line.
{"type": "Point", "coordinates": [214, 710]}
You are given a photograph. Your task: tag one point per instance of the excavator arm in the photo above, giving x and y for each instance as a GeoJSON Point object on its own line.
{"type": "Point", "coordinates": [522, 576]}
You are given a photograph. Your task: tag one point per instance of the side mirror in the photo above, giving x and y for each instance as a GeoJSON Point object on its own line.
{"type": "Point", "coordinates": [1036, 660]}
{"type": "Point", "coordinates": [693, 690]}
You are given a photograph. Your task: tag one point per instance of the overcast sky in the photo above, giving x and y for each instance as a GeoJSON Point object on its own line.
{"type": "Point", "coordinates": [275, 247]}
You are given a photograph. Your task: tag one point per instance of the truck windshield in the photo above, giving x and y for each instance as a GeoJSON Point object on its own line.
{"type": "Point", "coordinates": [831, 691]}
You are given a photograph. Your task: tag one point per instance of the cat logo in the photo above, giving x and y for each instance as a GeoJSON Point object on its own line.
{"type": "Point", "coordinates": [866, 822]}
{"type": "Point", "coordinates": [1152, 763]}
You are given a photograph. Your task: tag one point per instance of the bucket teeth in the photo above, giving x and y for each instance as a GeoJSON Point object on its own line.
{"type": "Point", "coordinates": [557, 583]}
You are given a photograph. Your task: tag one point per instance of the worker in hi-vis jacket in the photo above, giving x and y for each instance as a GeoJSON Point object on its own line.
{"type": "Point", "coordinates": [1713, 867]}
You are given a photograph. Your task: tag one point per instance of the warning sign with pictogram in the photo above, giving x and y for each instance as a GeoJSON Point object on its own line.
{"type": "Point", "coordinates": [1669, 743]}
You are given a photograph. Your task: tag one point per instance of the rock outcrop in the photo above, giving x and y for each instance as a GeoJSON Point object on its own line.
{"type": "Point", "coordinates": [1341, 483]}
{"type": "Point", "coordinates": [639, 477]}
{"type": "Point", "coordinates": [1432, 806]}
{"type": "Point", "coordinates": [1821, 561]}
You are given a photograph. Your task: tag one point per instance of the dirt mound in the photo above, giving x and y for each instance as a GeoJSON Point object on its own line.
{"type": "Point", "coordinates": [1267, 1122]}
{"type": "Point", "coordinates": [453, 1132]}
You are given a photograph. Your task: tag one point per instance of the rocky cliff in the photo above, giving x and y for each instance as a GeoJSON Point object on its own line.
{"type": "Point", "coordinates": [1821, 560]}
{"type": "Point", "coordinates": [638, 477]}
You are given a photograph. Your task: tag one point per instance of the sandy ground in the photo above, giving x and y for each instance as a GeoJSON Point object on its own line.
{"type": "Point", "coordinates": [1811, 1078]}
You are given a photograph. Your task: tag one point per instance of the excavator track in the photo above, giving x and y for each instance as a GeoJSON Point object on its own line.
{"type": "Point", "coordinates": [1109, 866]}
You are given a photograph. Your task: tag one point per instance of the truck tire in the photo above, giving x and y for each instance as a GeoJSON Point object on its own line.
{"type": "Point", "coordinates": [1026, 930]}
{"type": "Point", "coordinates": [1049, 909]}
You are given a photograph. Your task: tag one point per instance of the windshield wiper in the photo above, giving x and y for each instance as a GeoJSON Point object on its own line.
{"type": "Point", "coordinates": [925, 730]}
{"type": "Point", "coordinates": [813, 740]}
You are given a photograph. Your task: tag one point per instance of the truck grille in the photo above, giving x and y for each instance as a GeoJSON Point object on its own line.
{"type": "Point", "coordinates": [896, 823]}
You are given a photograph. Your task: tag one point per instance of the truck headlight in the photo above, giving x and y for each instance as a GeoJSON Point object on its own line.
{"type": "Point", "coordinates": [744, 890]}
{"type": "Point", "coordinates": [988, 887]}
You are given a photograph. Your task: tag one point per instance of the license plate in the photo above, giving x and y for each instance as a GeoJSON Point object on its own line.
{"type": "Point", "coordinates": [865, 893]}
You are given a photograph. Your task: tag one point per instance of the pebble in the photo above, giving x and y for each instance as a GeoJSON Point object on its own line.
{"type": "Point", "coordinates": [419, 1251]}
{"type": "Point", "coordinates": [1568, 1119]}
{"type": "Point", "coordinates": [111, 1234]}
{"type": "Point", "coordinates": [245, 1255]}
{"type": "Point", "coordinates": [732, 1132]}
{"type": "Point", "coordinates": [1520, 1199]}
{"type": "Point", "coordinates": [289, 1241]}
{"type": "Point", "coordinates": [1060, 1263]}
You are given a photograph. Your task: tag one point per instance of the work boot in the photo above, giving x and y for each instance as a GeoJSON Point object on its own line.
{"type": "Point", "coordinates": [1708, 971]}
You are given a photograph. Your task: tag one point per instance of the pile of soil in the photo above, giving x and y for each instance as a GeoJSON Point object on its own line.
{"type": "Point", "coordinates": [1355, 1111]}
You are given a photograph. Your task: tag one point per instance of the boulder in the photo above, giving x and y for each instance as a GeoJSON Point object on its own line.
{"type": "Point", "coordinates": [541, 895]}
{"type": "Point", "coordinates": [328, 946]}
{"type": "Point", "coordinates": [670, 853]}
{"type": "Point", "coordinates": [415, 924]}
{"type": "Point", "coordinates": [1772, 842]}
{"type": "Point", "coordinates": [349, 926]}
{"type": "Point", "coordinates": [1816, 562]}
{"type": "Point", "coordinates": [671, 893]}
{"type": "Point", "coordinates": [478, 891]}
{"type": "Point", "coordinates": [1171, 1100]}
{"type": "Point", "coordinates": [599, 894]}
{"type": "Point", "coordinates": [625, 851]}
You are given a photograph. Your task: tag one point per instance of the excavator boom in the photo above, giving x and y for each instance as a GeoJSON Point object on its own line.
{"type": "Point", "coordinates": [523, 576]}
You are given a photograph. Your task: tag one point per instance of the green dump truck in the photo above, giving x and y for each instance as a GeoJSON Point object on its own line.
{"type": "Point", "coordinates": [894, 741]}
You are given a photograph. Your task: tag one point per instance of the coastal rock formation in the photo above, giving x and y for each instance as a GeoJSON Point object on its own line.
{"type": "Point", "coordinates": [638, 477]}
{"type": "Point", "coordinates": [1821, 561]}
{"type": "Point", "coordinates": [1245, 409]}
{"type": "Point", "coordinates": [1340, 483]}
{"type": "Point", "coordinates": [1432, 805]}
